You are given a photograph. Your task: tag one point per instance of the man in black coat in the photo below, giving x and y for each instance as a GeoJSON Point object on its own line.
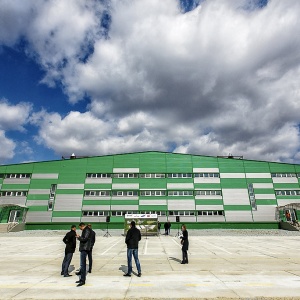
{"type": "Point", "coordinates": [70, 241]}
{"type": "Point", "coordinates": [90, 253]}
{"type": "Point", "coordinates": [84, 248]}
{"type": "Point", "coordinates": [185, 245]}
{"type": "Point", "coordinates": [133, 237]}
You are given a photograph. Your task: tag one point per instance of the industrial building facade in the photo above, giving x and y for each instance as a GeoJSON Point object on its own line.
{"type": "Point", "coordinates": [204, 191]}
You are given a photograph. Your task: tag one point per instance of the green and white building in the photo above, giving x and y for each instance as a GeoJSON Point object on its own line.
{"type": "Point", "coordinates": [206, 192]}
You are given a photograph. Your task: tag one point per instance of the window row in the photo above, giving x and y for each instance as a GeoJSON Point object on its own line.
{"type": "Point", "coordinates": [23, 175]}
{"type": "Point", "coordinates": [152, 193]}
{"type": "Point", "coordinates": [13, 193]}
{"type": "Point", "coordinates": [284, 175]}
{"type": "Point", "coordinates": [151, 175]}
{"type": "Point", "coordinates": [288, 193]}
{"type": "Point", "coordinates": [114, 213]}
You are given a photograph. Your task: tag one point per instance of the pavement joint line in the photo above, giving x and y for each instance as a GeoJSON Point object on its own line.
{"type": "Point", "coordinates": [217, 247]}
{"type": "Point", "coordinates": [145, 248]}
{"type": "Point", "coordinates": [111, 247]}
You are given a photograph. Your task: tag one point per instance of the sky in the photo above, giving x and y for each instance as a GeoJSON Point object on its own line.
{"type": "Point", "coordinates": [204, 77]}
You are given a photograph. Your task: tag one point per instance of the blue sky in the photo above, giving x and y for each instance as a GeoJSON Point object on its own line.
{"type": "Point", "coordinates": [102, 77]}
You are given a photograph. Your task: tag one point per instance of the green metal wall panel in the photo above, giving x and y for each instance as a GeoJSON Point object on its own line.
{"type": "Point", "coordinates": [42, 183]}
{"type": "Point", "coordinates": [96, 202]}
{"type": "Point", "coordinates": [39, 208]}
{"type": "Point", "coordinates": [66, 214]}
{"type": "Point", "coordinates": [153, 207]}
{"type": "Point", "coordinates": [281, 168]}
{"type": "Point", "coordinates": [204, 162]}
{"type": "Point", "coordinates": [237, 207]}
{"type": "Point", "coordinates": [233, 183]}
{"type": "Point", "coordinates": [131, 160]}
{"type": "Point", "coordinates": [155, 183]}
{"type": "Point", "coordinates": [179, 163]}
{"type": "Point", "coordinates": [266, 202]}
{"type": "Point", "coordinates": [124, 202]}
{"type": "Point", "coordinates": [256, 167]}
{"type": "Point", "coordinates": [38, 197]}
{"type": "Point", "coordinates": [231, 165]}
{"type": "Point", "coordinates": [95, 186]}
{"type": "Point", "coordinates": [47, 167]}
{"type": "Point", "coordinates": [209, 202]}
{"type": "Point", "coordinates": [152, 162]}
{"type": "Point", "coordinates": [13, 187]}
{"type": "Point", "coordinates": [105, 164]}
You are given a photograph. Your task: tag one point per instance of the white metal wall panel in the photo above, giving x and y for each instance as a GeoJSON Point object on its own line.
{"type": "Point", "coordinates": [203, 219]}
{"type": "Point", "coordinates": [258, 175]}
{"type": "Point", "coordinates": [181, 205]}
{"type": "Point", "coordinates": [37, 203]}
{"type": "Point", "coordinates": [282, 202]}
{"type": "Point", "coordinates": [183, 219]}
{"type": "Point", "coordinates": [96, 207]}
{"type": "Point", "coordinates": [235, 197]}
{"type": "Point", "coordinates": [211, 197]}
{"type": "Point", "coordinates": [93, 219]}
{"type": "Point", "coordinates": [206, 180]}
{"type": "Point", "coordinates": [232, 175]}
{"type": "Point", "coordinates": [16, 181]}
{"type": "Point", "coordinates": [205, 170]}
{"type": "Point", "coordinates": [125, 198]}
{"type": "Point", "coordinates": [68, 202]}
{"type": "Point", "coordinates": [264, 213]}
{"type": "Point", "coordinates": [126, 170]}
{"type": "Point", "coordinates": [263, 185]}
{"type": "Point", "coordinates": [264, 196]}
{"type": "Point", "coordinates": [238, 216]}
{"type": "Point", "coordinates": [180, 186]}
{"type": "Point", "coordinates": [153, 202]}
{"type": "Point", "coordinates": [98, 180]}
{"type": "Point", "coordinates": [285, 180]}
{"type": "Point", "coordinates": [38, 216]}
{"type": "Point", "coordinates": [44, 176]}
{"type": "Point", "coordinates": [13, 200]}
{"type": "Point", "coordinates": [125, 186]}
{"type": "Point", "coordinates": [124, 207]}
{"type": "Point", "coordinates": [39, 191]}
{"type": "Point", "coordinates": [70, 186]}
{"type": "Point", "coordinates": [209, 207]}
{"type": "Point", "coordinates": [91, 198]}
{"type": "Point", "coordinates": [93, 207]}
{"type": "Point", "coordinates": [66, 219]}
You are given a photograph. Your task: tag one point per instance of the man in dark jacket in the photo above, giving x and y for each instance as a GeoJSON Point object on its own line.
{"type": "Point", "coordinates": [133, 237]}
{"type": "Point", "coordinates": [70, 241]}
{"type": "Point", "coordinates": [90, 253]}
{"type": "Point", "coordinates": [84, 248]}
{"type": "Point", "coordinates": [185, 245]}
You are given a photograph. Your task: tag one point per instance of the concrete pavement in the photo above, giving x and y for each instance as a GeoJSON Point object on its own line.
{"type": "Point", "coordinates": [221, 267]}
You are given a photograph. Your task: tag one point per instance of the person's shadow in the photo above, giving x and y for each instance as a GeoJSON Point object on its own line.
{"type": "Point", "coordinates": [175, 259]}
{"type": "Point", "coordinates": [123, 268]}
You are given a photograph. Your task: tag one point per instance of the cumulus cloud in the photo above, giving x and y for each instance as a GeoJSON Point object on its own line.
{"type": "Point", "coordinates": [221, 78]}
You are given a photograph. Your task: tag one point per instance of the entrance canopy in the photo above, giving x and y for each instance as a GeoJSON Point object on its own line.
{"type": "Point", "coordinates": [146, 223]}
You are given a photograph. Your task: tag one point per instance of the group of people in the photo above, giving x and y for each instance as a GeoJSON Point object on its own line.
{"type": "Point", "coordinates": [88, 239]}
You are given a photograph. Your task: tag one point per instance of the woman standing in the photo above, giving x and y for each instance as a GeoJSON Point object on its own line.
{"type": "Point", "coordinates": [185, 245]}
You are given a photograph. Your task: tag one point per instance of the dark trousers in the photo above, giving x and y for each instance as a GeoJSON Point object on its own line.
{"type": "Point", "coordinates": [66, 263]}
{"type": "Point", "coordinates": [90, 257]}
{"type": "Point", "coordinates": [185, 256]}
{"type": "Point", "coordinates": [83, 255]}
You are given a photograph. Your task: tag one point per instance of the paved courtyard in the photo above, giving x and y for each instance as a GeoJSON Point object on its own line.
{"type": "Point", "coordinates": [220, 267]}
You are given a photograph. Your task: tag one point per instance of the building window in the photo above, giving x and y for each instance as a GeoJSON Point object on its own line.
{"type": "Point", "coordinates": [124, 193]}
{"type": "Point", "coordinates": [98, 175]}
{"type": "Point", "coordinates": [287, 192]}
{"type": "Point", "coordinates": [181, 213]}
{"type": "Point", "coordinates": [95, 213]}
{"type": "Point", "coordinates": [208, 193]}
{"type": "Point", "coordinates": [126, 175]}
{"type": "Point", "coordinates": [97, 193]}
{"type": "Point", "coordinates": [179, 175]}
{"type": "Point", "coordinates": [153, 193]}
{"type": "Point", "coordinates": [207, 175]}
{"type": "Point", "coordinates": [117, 213]}
{"type": "Point", "coordinates": [283, 175]}
{"type": "Point", "coordinates": [210, 212]}
{"type": "Point", "coordinates": [152, 175]}
{"type": "Point", "coordinates": [18, 176]}
{"type": "Point", "coordinates": [14, 193]}
{"type": "Point", "coordinates": [180, 193]}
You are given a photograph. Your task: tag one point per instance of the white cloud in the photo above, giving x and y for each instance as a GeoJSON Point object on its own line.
{"type": "Point", "coordinates": [7, 147]}
{"type": "Point", "coordinates": [14, 117]}
{"type": "Point", "coordinates": [217, 80]}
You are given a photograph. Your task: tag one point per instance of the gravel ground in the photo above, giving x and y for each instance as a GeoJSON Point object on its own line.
{"type": "Point", "coordinates": [192, 232]}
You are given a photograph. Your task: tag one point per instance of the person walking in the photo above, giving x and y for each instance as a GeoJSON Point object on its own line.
{"type": "Point", "coordinates": [84, 248]}
{"type": "Point", "coordinates": [158, 226]}
{"type": "Point", "coordinates": [90, 253]}
{"type": "Point", "coordinates": [133, 237]}
{"type": "Point", "coordinates": [70, 241]}
{"type": "Point", "coordinates": [185, 244]}
{"type": "Point", "coordinates": [166, 228]}
{"type": "Point", "coordinates": [169, 227]}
